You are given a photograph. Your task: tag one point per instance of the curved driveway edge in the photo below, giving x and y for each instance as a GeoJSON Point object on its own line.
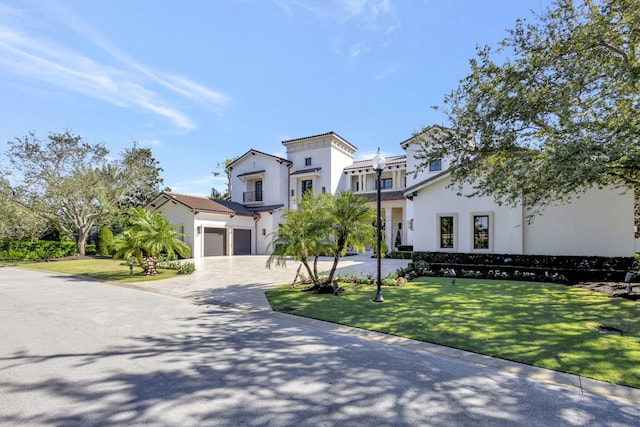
{"type": "Point", "coordinates": [241, 281]}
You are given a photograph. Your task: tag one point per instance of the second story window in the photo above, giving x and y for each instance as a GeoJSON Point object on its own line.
{"type": "Point", "coordinates": [258, 188]}
{"type": "Point", "coordinates": [436, 165]}
{"type": "Point", "coordinates": [307, 161]}
{"type": "Point", "coordinates": [386, 183]}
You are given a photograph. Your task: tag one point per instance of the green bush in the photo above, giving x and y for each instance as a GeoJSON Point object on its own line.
{"type": "Point", "coordinates": [400, 255]}
{"type": "Point", "coordinates": [21, 250]}
{"type": "Point", "coordinates": [105, 242]}
{"type": "Point", "coordinates": [560, 269]}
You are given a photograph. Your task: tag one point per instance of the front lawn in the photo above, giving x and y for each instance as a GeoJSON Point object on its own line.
{"type": "Point", "coordinates": [101, 269]}
{"type": "Point", "coordinates": [540, 324]}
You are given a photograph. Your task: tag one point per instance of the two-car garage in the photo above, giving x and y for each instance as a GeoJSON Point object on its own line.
{"type": "Point", "coordinates": [215, 241]}
{"type": "Point", "coordinates": [210, 227]}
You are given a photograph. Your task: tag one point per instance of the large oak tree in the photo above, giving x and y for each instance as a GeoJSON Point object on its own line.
{"type": "Point", "coordinates": [72, 184]}
{"type": "Point", "coordinates": [550, 112]}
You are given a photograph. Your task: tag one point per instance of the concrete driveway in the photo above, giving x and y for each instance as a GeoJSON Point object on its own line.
{"type": "Point", "coordinates": [241, 280]}
{"type": "Point", "coordinates": [75, 352]}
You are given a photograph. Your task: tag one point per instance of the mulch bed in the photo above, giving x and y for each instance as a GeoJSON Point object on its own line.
{"type": "Point", "coordinates": [613, 289]}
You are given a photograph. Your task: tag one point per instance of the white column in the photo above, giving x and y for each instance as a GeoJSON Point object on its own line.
{"type": "Point", "coordinates": [388, 229]}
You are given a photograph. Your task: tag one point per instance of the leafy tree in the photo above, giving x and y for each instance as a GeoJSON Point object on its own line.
{"type": "Point", "coordinates": [150, 233]}
{"type": "Point", "coordinates": [17, 222]}
{"type": "Point", "coordinates": [142, 172]}
{"type": "Point", "coordinates": [141, 183]}
{"type": "Point", "coordinates": [550, 112]}
{"type": "Point", "coordinates": [105, 241]}
{"type": "Point", "coordinates": [65, 181]}
{"type": "Point", "coordinates": [71, 184]}
{"type": "Point", "coordinates": [323, 225]}
{"type": "Point", "coordinates": [222, 167]}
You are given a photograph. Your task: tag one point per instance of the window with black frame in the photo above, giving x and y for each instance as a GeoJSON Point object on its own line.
{"type": "Point", "coordinates": [446, 232]}
{"type": "Point", "coordinates": [481, 232]}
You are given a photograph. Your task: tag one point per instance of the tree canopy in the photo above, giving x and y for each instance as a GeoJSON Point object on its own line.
{"type": "Point", "coordinates": [551, 111]}
{"type": "Point", "coordinates": [72, 184]}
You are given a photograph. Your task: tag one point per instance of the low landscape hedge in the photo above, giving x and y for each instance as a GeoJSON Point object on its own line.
{"type": "Point", "coordinates": [538, 267]}
{"type": "Point", "coordinates": [21, 250]}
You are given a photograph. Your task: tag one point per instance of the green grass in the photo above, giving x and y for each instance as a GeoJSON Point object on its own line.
{"type": "Point", "coordinates": [100, 269]}
{"type": "Point", "coordinates": [540, 324]}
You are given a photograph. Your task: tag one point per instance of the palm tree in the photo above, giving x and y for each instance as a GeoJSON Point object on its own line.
{"type": "Point", "coordinates": [128, 244]}
{"type": "Point", "coordinates": [302, 234]}
{"type": "Point", "coordinates": [351, 226]}
{"type": "Point", "coordinates": [323, 225]}
{"type": "Point", "coordinates": [150, 233]}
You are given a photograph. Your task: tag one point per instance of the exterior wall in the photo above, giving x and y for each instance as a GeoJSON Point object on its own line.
{"type": "Point", "coordinates": [338, 161]}
{"type": "Point", "coordinates": [193, 226]}
{"type": "Point", "coordinates": [210, 220]}
{"type": "Point", "coordinates": [178, 215]}
{"type": "Point", "coordinates": [411, 148]}
{"type": "Point", "coordinates": [437, 200]}
{"type": "Point", "coordinates": [274, 179]}
{"type": "Point", "coordinates": [600, 222]}
{"type": "Point", "coordinates": [597, 224]}
{"type": "Point", "coordinates": [328, 154]}
{"type": "Point", "coordinates": [266, 226]}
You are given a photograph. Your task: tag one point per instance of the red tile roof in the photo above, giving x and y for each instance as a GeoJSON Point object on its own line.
{"type": "Point", "coordinates": [205, 204]}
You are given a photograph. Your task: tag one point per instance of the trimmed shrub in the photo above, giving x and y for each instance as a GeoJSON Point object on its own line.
{"type": "Point", "coordinates": [105, 241]}
{"type": "Point", "coordinates": [560, 269]}
{"type": "Point", "coordinates": [400, 255]}
{"type": "Point", "coordinates": [21, 250]}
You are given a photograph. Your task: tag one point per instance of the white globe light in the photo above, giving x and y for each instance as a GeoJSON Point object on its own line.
{"type": "Point", "coordinates": [378, 161]}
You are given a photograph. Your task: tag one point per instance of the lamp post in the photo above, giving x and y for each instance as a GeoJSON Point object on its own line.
{"type": "Point", "coordinates": [378, 166]}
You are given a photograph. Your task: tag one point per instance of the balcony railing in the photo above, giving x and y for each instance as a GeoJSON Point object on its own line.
{"type": "Point", "coordinates": [252, 196]}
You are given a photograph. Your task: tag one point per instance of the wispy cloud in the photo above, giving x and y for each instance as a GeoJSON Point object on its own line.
{"type": "Point", "coordinates": [126, 83]}
{"type": "Point", "coordinates": [360, 26]}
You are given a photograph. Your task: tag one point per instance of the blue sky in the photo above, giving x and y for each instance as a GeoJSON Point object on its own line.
{"type": "Point", "coordinates": [201, 81]}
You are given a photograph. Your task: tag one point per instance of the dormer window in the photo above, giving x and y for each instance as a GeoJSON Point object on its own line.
{"type": "Point", "coordinates": [307, 161]}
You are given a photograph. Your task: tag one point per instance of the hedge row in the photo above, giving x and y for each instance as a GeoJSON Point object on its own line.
{"type": "Point", "coordinates": [20, 250]}
{"type": "Point", "coordinates": [574, 268]}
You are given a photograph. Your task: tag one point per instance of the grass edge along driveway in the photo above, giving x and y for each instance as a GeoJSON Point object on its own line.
{"type": "Point", "coordinates": [109, 270]}
{"type": "Point", "coordinates": [540, 324]}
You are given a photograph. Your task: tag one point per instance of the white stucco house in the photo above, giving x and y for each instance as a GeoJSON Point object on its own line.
{"type": "Point", "coordinates": [418, 209]}
{"type": "Point", "coordinates": [599, 222]}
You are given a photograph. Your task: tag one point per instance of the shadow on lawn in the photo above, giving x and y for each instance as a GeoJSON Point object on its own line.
{"type": "Point", "coordinates": [233, 368]}
{"type": "Point", "coordinates": [544, 325]}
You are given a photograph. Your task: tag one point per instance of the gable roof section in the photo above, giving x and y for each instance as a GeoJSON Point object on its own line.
{"type": "Point", "coordinates": [424, 134]}
{"type": "Point", "coordinates": [201, 204]}
{"type": "Point", "coordinates": [253, 152]}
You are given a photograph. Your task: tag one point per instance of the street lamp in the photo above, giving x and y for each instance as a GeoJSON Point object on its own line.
{"type": "Point", "coordinates": [378, 165]}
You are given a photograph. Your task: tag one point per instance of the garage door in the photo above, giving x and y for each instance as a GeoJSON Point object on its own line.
{"type": "Point", "coordinates": [241, 242]}
{"type": "Point", "coordinates": [215, 241]}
